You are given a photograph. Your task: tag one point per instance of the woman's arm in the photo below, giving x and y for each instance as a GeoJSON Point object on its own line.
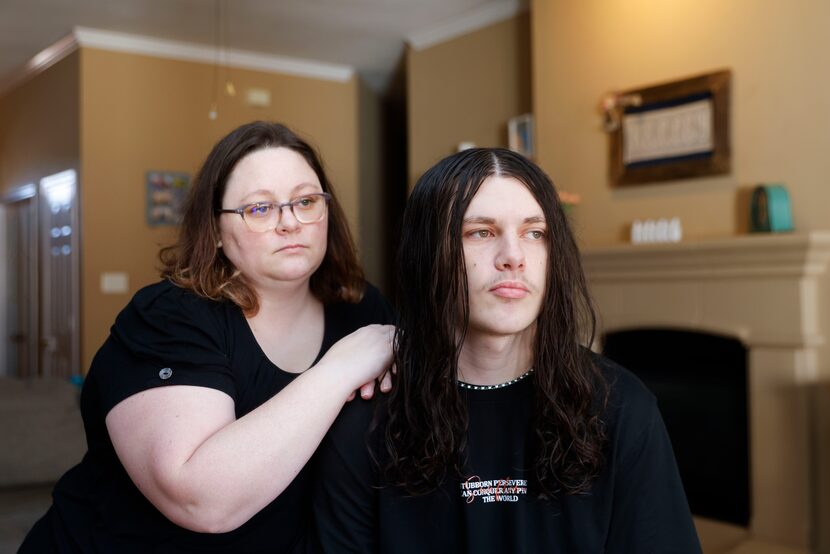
{"type": "Point", "coordinates": [209, 472]}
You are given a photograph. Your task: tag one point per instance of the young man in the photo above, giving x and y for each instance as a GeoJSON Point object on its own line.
{"type": "Point", "coordinates": [502, 433]}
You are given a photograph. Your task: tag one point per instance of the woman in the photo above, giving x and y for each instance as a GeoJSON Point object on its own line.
{"type": "Point", "coordinates": [217, 384]}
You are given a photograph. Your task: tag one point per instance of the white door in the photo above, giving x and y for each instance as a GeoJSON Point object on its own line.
{"type": "Point", "coordinates": [59, 276]}
{"type": "Point", "coordinates": [19, 283]}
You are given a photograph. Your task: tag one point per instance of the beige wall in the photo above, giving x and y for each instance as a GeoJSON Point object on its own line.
{"type": "Point", "coordinates": [778, 52]}
{"type": "Point", "coordinates": [140, 113]}
{"type": "Point", "coordinates": [39, 126]}
{"type": "Point", "coordinates": [466, 89]}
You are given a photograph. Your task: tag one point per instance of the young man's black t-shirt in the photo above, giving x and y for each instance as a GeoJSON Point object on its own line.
{"type": "Point", "coordinates": [636, 505]}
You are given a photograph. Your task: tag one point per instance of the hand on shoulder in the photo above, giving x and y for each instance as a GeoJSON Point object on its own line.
{"type": "Point", "coordinates": [361, 357]}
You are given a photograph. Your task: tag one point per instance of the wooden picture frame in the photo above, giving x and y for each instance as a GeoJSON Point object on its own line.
{"type": "Point", "coordinates": [520, 135]}
{"type": "Point", "coordinates": [672, 131]}
{"type": "Point", "coordinates": [165, 197]}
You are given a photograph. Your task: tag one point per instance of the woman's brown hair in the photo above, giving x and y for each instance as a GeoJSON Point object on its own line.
{"type": "Point", "coordinates": [196, 262]}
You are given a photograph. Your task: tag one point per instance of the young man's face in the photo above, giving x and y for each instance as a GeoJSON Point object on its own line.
{"type": "Point", "coordinates": [505, 254]}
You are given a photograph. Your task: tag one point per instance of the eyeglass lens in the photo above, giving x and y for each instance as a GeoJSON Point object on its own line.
{"type": "Point", "coordinates": [266, 215]}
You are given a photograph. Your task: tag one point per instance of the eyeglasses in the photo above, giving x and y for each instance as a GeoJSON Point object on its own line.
{"type": "Point", "coordinates": [265, 216]}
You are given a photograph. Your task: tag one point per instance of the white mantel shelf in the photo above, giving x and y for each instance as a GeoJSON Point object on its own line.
{"type": "Point", "coordinates": [756, 255]}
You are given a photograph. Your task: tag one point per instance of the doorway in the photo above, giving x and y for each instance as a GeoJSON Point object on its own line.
{"type": "Point", "coordinates": [40, 281]}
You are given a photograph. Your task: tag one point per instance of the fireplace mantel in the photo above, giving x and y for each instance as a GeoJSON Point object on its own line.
{"type": "Point", "coordinates": [762, 289]}
{"type": "Point", "coordinates": [748, 256]}
{"type": "Point", "coordinates": [772, 292]}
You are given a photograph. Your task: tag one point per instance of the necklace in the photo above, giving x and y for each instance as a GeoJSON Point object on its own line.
{"type": "Point", "coordinates": [468, 386]}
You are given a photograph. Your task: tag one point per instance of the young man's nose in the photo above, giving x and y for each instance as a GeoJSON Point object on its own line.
{"type": "Point", "coordinates": [511, 255]}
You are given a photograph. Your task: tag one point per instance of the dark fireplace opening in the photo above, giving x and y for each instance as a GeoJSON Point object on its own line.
{"type": "Point", "coordinates": [700, 381]}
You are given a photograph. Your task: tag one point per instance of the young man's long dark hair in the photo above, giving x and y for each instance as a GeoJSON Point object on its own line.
{"type": "Point", "coordinates": [425, 435]}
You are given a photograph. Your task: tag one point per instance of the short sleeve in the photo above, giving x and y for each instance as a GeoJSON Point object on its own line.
{"type": "Point", "coordinates": [165, 336]}
{"type": "Point", "coordinates": [650, 510]}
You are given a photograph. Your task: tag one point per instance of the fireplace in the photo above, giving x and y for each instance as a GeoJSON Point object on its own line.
{"type": "Point", "coordinates": [770, 294]}
{"type": "Point", "coordinates": [700, 382]}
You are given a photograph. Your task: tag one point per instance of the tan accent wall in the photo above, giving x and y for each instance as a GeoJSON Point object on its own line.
{"type": "Point", "coordinates": [39, 126]}
{"type": "Point", "coordinates": [140, 113]}
{"type": "Point", "coordinates": [778, 52]}
{"type": "Point", "coordinates": [466, 89]}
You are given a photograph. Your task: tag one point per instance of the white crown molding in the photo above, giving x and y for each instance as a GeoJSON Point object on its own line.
{"type": "Point", "coordinates": [488, 14]}
{"type": "Point", "coordinates": [161, 48]}
{"type": "Point", "coordinates": [39, 63]}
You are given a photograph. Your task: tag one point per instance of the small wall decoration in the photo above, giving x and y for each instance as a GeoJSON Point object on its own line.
{"type": "Point", "coordinates": [670, 131]}
{"type": "Point", "coordinates": [166, 193]}
{"type": "Point", "coordinates": [520, 135]}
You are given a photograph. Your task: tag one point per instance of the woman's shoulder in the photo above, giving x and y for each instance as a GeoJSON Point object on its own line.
{"type": "Point", "coordinates": [165, 293]}
{"type": "Point", "coordinates": [371, 308]}
{"type": "Point", "coordinates": [164, 315]}
{"type": "Point", "coordinates": [165, 299]}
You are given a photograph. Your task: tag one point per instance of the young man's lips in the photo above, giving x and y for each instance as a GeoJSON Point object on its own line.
{"type": "Point", "coordinates": [510, 290]}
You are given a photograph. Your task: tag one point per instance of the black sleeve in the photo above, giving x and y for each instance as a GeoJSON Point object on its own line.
{"type": "Point", "coordinates": [650, 510]}
{"type": "Point", "coordinates": [345, 491]}
{"type": "Point", "coordinates": [165, 336]}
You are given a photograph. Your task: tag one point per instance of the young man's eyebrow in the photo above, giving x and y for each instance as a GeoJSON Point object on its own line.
{"type": "Point", "coordinates": [486, 220]}
{"type": "Point", "coordinates": [492, 221]}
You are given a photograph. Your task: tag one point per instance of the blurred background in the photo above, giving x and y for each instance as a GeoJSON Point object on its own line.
{"type": "Point", "coordinates": [107, 109]}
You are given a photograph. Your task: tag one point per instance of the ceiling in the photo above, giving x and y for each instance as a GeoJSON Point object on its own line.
{"type": "Point", "coordinates": [368, 35]}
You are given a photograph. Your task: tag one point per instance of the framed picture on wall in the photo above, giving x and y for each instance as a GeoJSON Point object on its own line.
{"type": "Point", "coordinates": [671, 131]}
{"type": "Point", "coordinates": [166, 193]}
{"type": "Point", "coordinates": [520, 135]}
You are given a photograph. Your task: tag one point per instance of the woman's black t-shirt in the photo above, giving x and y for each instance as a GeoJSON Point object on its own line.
{"type": "Point", "coordinates": [169, 336]}
{"type": "Point", "coordinates": [636, 505]}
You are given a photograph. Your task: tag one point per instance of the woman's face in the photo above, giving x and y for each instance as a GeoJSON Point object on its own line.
{"type": "Point", "coordinates": [292, 251]}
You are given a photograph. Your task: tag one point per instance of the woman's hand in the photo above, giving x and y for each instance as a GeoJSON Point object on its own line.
{"type": "Point", "coordinates": [367, 390]}
{"type": "Point", "coordinates": [362, 358]}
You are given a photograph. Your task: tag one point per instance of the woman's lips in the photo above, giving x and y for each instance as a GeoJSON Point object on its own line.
{"type": "Point", "coordinates": [510, 290]}
{"type": "Point", "coordinates": [291, 248]}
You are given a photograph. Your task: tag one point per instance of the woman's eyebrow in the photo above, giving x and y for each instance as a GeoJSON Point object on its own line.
{"type": "Point", "coordinates": [262, 192]}
{"type": "Point", "coordinates": [304, 185]}
{"type": "Point", "coordinates": [268, 193]}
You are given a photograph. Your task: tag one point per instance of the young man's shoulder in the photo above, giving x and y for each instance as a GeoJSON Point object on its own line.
{"type": "Point", "coordinates": [628, 398]}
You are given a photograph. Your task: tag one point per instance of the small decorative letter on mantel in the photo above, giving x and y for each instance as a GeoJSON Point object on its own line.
{"type": "Point", "coordinates": [670, 131]}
